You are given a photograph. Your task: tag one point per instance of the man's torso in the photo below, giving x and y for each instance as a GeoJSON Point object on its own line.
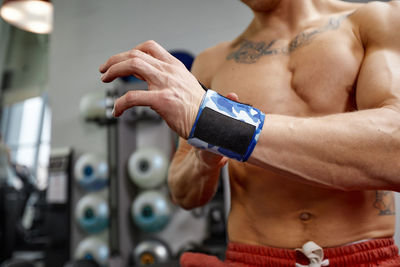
{"type": "Point", "coordinates": [310, 73]}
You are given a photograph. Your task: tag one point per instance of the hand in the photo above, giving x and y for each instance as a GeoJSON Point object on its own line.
{"type": "Point", "coordinates": [173, 92]}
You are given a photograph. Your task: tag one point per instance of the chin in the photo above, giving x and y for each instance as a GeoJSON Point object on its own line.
{"type": "Point", "coordinates": [261, 5]}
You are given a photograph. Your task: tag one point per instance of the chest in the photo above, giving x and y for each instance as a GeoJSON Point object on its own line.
{"type": "Point", "coordinates": [316, 77]}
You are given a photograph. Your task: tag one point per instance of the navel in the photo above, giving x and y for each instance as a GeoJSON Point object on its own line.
{"type": "Point", "coordinates": [305, 216]}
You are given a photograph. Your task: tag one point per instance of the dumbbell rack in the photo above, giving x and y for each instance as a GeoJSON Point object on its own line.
{"type": "Point", "coordinates": [121, 143]}
{"type": "Point", "coordinates": [122, 137]}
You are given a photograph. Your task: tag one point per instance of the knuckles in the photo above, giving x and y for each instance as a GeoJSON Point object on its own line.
{"type": "Point", "coordinates": [166, 96]}
{"type": "Point", "coordinates": [135, 62]}
{"type": "Point", "coordinates": [134, 53]}
{"type": "Point", "coordinates": [130, 97]}
{"type": "Point", "coordinates": [151, 44]}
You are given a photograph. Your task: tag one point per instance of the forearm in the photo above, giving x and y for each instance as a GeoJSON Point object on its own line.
{"type": "Point", "coordinates": [349, 151]}
{"type": "Point", "coordinates": [192, 180]}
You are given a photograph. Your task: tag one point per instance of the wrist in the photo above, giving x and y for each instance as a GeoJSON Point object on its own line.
{"type": "Point", "coordinates": [226, 127]}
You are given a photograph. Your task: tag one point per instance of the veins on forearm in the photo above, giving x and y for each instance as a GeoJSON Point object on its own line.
{"type": "Point", "coordinates": [384, 203]}
{"type": "Point", "coordinates": [250, 52]}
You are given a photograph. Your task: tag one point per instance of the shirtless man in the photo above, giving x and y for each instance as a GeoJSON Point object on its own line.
{"type": "Point", "coordinates": [327, 75]}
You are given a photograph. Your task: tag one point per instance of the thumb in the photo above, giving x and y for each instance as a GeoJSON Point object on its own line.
{"type": "Point", "coordinates": [232, 96]}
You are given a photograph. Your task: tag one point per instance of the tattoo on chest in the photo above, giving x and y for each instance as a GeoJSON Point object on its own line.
{"type": "Point", "coordinates": [384, 202]}
{"type": "Point", "coordinates": [250, 52]}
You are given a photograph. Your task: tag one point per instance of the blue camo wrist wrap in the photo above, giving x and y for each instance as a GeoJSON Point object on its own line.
{"type": "Point", "coordinates": [226, 127]}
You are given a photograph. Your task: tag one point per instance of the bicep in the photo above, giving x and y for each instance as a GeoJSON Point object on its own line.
{"type": "Point", "coordinates": [378, 82]}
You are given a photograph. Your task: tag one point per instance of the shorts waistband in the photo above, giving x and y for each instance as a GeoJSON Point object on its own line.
{"type": "Point", "coordinates": [367, 252]}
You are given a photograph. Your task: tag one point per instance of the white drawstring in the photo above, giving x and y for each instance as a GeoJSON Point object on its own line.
{"type": "Point", "coordinates": [314, 253]}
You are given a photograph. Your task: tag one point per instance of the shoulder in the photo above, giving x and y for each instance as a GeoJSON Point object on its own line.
{"type": "Point", "coordinates": [378, 22]}
{"type": "Point", "coordinates": [377, 9]}
{"type": "Point", "coordinates": [208, 61]}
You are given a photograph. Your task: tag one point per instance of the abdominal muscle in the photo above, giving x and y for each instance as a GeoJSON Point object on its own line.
{"type": "Point", "coordinates": [272, 210]}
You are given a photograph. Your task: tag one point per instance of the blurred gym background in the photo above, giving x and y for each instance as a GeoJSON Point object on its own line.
{"type": "Point", "coordinates": [79, 188]}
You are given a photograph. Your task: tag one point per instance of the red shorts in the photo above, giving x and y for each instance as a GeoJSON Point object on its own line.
{"type": "Point", "coordinates": [376, 252]}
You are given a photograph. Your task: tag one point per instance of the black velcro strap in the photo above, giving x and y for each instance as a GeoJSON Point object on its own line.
{"type": "Point", "coordinates": [223, 131]}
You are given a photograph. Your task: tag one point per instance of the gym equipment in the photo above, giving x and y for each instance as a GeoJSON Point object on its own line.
{"type": "Point", "coordinates": [192, 247]}
{"type": "Point", "coordinates": [91, 172]}
{"type": "Point", "coordinates": [216, 224]}
{"type": "Point", "coordinates": [151, 211]}
{"type": "Point", "coordinates": [142, 113]}
{"type": "Point", "coordinates": [17, 263]}
{"type": "Point", "coordinates": [59, 204]}
{"type": "Point", "coordinates": [11, 207]}
{"type": "Point", "coordinates": [22, 216]}
{"type": "Point", "coordinates": [94, 105]}
{"type": "Point", "coordinates": [147, 167]}
{"type": "Point", "coordinates": [93, 248]}
{"type": "Point", "coordinates": [6, 172]}
{"type": "Point", "coordinates": [81, 263]}
{"type": "Point", "coordinates": [185, 57]}
{"type": "Point", "coordinates": [151, 252]}
{"type": "Point", "coordinates": [92, 213]}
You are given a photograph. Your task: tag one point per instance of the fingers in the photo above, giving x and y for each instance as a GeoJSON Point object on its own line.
{"type": "Point", "coordinates": [154, 49]}
{"type": "Point", "coordinates": [233, 96]}
{"type": "Point", "coordinates": [114, 60]}
{"type": "Point", "coordinates": [150, 48]}
{"type": "Point", "coordinates": [142, 66]}
{"type": "Point", "coordinates": [134, 98]}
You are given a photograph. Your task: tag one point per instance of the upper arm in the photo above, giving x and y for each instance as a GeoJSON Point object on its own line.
{"type": "Point", "coordinates": [378, 83]}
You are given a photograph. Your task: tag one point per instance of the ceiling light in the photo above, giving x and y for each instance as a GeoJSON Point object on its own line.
{"type": "Point", "coordinates": [29, 15]}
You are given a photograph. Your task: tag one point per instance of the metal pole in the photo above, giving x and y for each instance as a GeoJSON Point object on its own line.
{"type": "Point", "coordinates": [112, 141]}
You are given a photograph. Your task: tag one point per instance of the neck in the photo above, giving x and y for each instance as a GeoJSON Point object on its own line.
{"type": "Point", "coordinates": [289, 14]}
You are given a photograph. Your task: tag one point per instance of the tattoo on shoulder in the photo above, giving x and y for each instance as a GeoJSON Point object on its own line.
{"type": "Point", "coordinates": [250, 52]}
{"type": "Point", "coordinates": [384, 203]}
